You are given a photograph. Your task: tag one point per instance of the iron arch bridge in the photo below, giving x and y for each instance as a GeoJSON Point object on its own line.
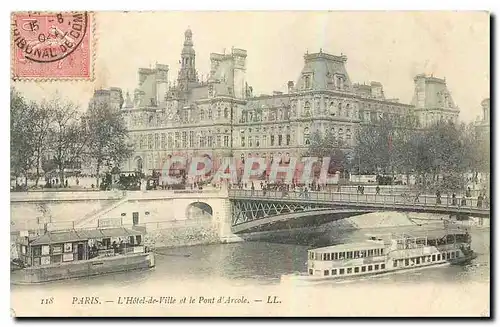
{"type": "Point", "coordinates": [257, 210]}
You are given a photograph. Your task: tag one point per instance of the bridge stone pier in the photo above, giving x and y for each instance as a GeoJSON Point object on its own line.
{"type": "Point", "coordinates": [200, 216]}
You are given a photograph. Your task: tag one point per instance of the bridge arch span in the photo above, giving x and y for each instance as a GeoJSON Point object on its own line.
{"type": "Point", "coordinates": [199, 210]}
{"type": "Point", "coordinates": [314, 217]}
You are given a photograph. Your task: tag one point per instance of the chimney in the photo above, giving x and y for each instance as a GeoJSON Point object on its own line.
{"type": "Point", "coordinates": [290, 86]}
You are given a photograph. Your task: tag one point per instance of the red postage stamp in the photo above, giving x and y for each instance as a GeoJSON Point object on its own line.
{"type": "Point", "coordinates": [52, 45]}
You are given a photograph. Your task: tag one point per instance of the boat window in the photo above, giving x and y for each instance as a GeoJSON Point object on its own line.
{"type": "Point", "coordinates": [363, 269]}
{"type": "Point", "coordinates": [329, 256]}
{"type": "Point", "coordinates": [395, 263]}
{"type": "Point", "coordinates": [349, 255]}
{"type": "Point", "coordinates": [439, 257]}
{"type": "Point", "coordinates": [341, 271]}
{"type": "Point", "coordinates": [326, 272]}
{"type": "Point", "coordinates": [448, 256]}
{"type": "Point", "coordinates": [382, 266]}
{"type": "Point", "coordinates": [315, 256]}
{"type": "Point", "coordinates": [433, 257]}
{"type": "Point", "coordinates": [310, 271]}
{"type": "Point", "coordinates": [37, 251]}
{"type": "Point", "coordinates": [376, 267]}
{"type": "Point", "coordinates": [335, 256]}
{"type": "Point", "coordinates": [370, 268]}
{"type": "Point", "coordinates": [356, 254]}
{"type": "Point", "coordinates": [417, 261]}
{"type": "Point", "coordinates": [356, 269]}
{"type": "Point", "coordinates": [342, 255]}
{"type": "Point", "coordinates": [453, 255]}
{"type": "Point", "coordinates": [457, 254]}
{"type": "Point", "coordinates": [56, 258]}
{"type": "Point", "coordinates": [349, 270]}
{"type": "Point", "coordinates": [334, 271]}
{"type": "Point", "coordinates": [407, 262]}
{"type": "Point", "coordinates": [381, 251]}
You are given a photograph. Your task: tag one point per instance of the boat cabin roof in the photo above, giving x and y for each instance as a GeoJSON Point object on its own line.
{"type": "Point", "coordinates": [358, 246]}
{"type": "Point", "coordinates": [82, 235]}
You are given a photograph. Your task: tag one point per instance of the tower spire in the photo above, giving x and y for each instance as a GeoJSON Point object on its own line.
{"type": "Point", "coordinates": [187, 72]}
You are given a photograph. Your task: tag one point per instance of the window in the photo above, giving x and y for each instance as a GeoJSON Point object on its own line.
{"type": "Point", "coordinates": [135, 218]}
{"type": "Point", "coordinates": [417, 261]}
{"type": "Point", "coordinates": [288, 139]}
{"type": "Point", "coordinates": [363, 269]}
{"type": "Point", "coordinates": [191, 139]}
{"type": "Point", "coordinates": [334, 272]}
{"type": "Point", "coordinates": [280, 139]}
{"type": "Point", "coordinates": [439, 257]}
{"type": "Point", "coordinates": [407, 262]}
{"type": "Point", "coordinates": [382, 266]}
{"type": "Point", "coordinates": [306, 136]}
{"type": "Point", "coordinates": [376, 267]}
{"type": "Point", "coordinates": [242, 141]}
{"type": "Point", "coordinates": [202, 114]}
{"type": "Point", "coordinates": [184, 139]}
{"type": "Point", "coordinates": [457, 254]}
{"type": "Point", "coordinates": [326, 272]}
{"type": "Point", "coordinates": [226, 112]}
{"type": "Point", "coordinates": [307, 108]}
{"type": "Point", "coordinates": [250, 141]}
{"type": "Point", "coordinates": [307, 82]}
{"type": "Point", "coordinates": [310, 271]}
{"type": "Point", "coordinates": [150, 141]}
{"type": "Point", "coordinates": [272, 140]}
{"type": "Point", "coordinates": [163, 143]}
{"type": "Point", "coordinates": [226, 140]}
{"type": "Point", "coordinates": [395, 263]}
{"type": "Point", "coordinates": [339, 109]}
{"type": "Point", "coordinates": [335, 256]}
{"type": "Point", "coordinates": [349, 270]}
{"type": "Point", "coordinates": [169, 141]}
{"type": "Point", "coordinates": [341, 271]}
{"type": "Point", "coordinates": [257, 141]}
{"type": "Point", "coordinates": [356, 269]}
{"type": "Point", "coordinates": [370, 268]}
{"type": "Point", "coordinates": [209, 114]}
{"type": "Point", "coordinates": [433, 257]}
{"type": "Point", "coordinates": [219, 112]}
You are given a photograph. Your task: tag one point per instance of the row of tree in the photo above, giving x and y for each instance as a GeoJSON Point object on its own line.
{"type": "Point", "coordinates": [441, 154]}
{"type": "Point", "coordinates": [51, 136]}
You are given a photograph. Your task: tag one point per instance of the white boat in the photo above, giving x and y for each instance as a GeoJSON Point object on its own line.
{"type": "Point", "coordinates": [384, 254]}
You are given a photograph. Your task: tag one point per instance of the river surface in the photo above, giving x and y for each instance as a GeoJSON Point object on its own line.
{"type": "Point", "coordinates": [259, 264]}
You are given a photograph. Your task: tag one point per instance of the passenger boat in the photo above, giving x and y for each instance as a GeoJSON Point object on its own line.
{"type": "Point", "coordinates": [387, 254]}
{"type": "Point", "coordinates": [76, 253]}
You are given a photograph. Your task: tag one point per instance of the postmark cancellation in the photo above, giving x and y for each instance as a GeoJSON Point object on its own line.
{"type": "Point", "coordinates": [52, 45]}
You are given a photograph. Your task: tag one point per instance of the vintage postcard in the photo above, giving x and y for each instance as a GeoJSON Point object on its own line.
{"type": "Point", "coordinates": [251, 164]}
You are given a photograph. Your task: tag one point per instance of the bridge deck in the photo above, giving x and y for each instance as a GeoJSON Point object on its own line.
{"type": "Point", "coordinates": [376, 202]}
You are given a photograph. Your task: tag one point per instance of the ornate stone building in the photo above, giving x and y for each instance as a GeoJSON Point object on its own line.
{"type": "Point", "coordinates": [220, 116]}
{"type": "Point", "coordinates": [483, 124]}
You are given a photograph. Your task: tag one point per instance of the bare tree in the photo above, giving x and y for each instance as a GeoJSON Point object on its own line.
{"type": "Point", "coordinates": [68, 137]}
{"type": "Point", "coordinates": [22, 126]}
{"type": "Point", "coordinates": [107, 137]}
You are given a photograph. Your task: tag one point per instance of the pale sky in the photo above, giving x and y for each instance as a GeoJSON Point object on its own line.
{"type": "Point", "coordinates": [389, 47]}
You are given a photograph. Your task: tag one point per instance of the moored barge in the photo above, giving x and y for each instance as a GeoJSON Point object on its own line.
{"type": "Point", "coordinates": [76, 253]}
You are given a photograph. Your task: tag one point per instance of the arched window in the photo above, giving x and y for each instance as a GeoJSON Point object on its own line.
{"type": "Point", "coordinates": [202, 114]}
{"type": "Point", "coordinates": [347, 110]}
{"type": "Point", "coordinates": [226, 112]}
{"type": "Point", "coordinates": [219, 112]}
{"type": "Point", "coordinates": [332, 108]}
{"type": "Point", "coordinates": [209, 114]}
{"type": "Point", "coordinates": [307, 108]}
{"type": "Point", "coordinates": [306, 136]}
{"type": "Point", "coordinates": [307, 82]}
{"type": "Point", "coordinates": [341, 134]}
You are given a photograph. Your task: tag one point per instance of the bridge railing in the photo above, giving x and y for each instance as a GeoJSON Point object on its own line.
{"type": "Point", "coordinates": [461, 204]}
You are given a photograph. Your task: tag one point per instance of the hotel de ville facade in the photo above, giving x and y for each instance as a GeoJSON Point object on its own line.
{"type": "Point", "coordinates": [221, 117]}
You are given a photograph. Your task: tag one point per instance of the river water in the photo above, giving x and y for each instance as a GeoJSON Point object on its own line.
{"type": "Point", "coordinates": [258, 265]}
